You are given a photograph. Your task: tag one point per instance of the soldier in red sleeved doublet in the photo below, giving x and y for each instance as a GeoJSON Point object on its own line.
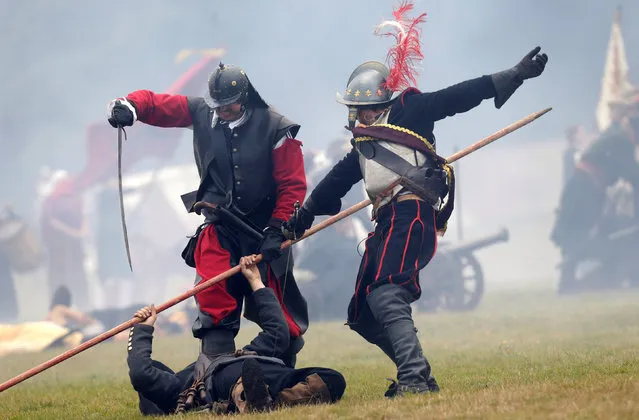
{"type": "Point", "coordinates": [249, 163]}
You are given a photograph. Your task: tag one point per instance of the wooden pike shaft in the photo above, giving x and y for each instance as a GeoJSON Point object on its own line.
{"type": "Point", "coordinates": [495, 136]}
{"type": "Point", "coordinates": [204, 285]}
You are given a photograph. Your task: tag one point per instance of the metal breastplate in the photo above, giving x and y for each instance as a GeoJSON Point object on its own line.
{"type": "Point", "coordinates": [377, 178]}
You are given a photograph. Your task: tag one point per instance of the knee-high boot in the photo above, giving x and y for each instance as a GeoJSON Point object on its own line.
{"type": "Point", "coordinates": [390, 305]}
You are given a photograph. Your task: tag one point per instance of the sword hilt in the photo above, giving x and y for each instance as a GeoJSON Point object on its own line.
{"type": "Point", "coordinates": [296, 210]}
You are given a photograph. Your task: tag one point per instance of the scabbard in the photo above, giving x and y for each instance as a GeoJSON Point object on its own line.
{"type": "Point", "coordinates": [230, 218]}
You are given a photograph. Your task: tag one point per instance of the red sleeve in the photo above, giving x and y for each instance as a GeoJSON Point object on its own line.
{"type": "Point", "coordinates": [161, 109]}
{"type": "Point", "coordinates": [289, 175]}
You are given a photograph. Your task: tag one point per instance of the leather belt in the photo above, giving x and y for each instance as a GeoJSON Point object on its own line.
{"type": "Point", "coordinates": [398, 199]}
{"type": "Point", "coordinates": [227, 216]}
{"type": "Point", "coordinates": [406, 197]}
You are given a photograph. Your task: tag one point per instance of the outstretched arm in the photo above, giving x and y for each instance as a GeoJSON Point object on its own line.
{"type": "Point", "coordinates": [157, 109]}
{"type": "Point", "coordinates": [274, 338]}
{"type": "Point", "coordinates": [447, 102]}
{"type": "Point", "coordinates": [61, 312]}
{"type": "Point", "coordinates": [161, 109]}
{"type": "Point", "coordinates": [159, 386]}
{"type": "Point", "coordinates": [466, 95]}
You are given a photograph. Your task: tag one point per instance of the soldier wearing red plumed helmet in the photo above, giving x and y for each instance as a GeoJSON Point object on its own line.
{"type": "Point", "coordinates": [393, 141]}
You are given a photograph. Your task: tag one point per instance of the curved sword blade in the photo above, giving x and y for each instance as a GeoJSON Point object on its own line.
{"type": "Point", "coordinates": [126, 235]}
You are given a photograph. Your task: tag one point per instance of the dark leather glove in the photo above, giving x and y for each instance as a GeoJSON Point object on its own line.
{"type": "Point", "coordinates": [295, 227]}
{"type": "Point", "coordinates": [271, 244]}
{"type": "Point", "coordinates": [122, 113]}
{"type": "Point", "coordinates": [532, 65]}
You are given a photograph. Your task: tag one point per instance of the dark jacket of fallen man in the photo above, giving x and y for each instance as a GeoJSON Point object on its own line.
{"type": "Point", "coordinates": [256, 368]}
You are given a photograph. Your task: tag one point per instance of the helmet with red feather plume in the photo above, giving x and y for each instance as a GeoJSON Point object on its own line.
{"type": "Point", "coordinates": [373, 83]}
{"type": "Point", "coordinates": [403, 57]}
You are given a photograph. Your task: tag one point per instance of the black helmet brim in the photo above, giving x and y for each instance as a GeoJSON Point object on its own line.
{"type": "Point", "coordinates": [216, 104]}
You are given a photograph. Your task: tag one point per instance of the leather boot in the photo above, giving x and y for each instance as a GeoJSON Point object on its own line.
{"type": "Point", "coordinates": [375, 334]}
{"type": "Point", "coordinates": [250, 393]}
{"type": "Point", "coordinates": [312, 391]}
{"type": "Point", "coordinates": [393, 388]}
{"type": "Point", "coordinates": [390, 305]}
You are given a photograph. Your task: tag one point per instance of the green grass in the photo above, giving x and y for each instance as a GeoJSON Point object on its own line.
{"type": "Point", "coordinates": [517, 356]}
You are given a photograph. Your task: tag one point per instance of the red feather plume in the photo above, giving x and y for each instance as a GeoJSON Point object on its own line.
{"type": "Point", "coordinates": [403, 57]}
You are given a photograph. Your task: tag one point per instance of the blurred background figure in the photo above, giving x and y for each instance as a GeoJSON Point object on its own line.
{"type": "Point", "coordinates": [596, 223]}
{"type": "Point", "coordinates": [64, 326]}
{"type": "Point", "coordinates": [20, 252]}
{"type": "Point", "coordinates": [8, 297]}
{"type": "Point", "coordinates": [577, 140]}
{"type": "Point", "coordinates": [64, 228]}
{"type": "Point", "coordinates": [571, 152]}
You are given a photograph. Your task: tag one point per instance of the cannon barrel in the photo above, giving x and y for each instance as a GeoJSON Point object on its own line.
{"type": "Point", "coordinates": [471, 246]}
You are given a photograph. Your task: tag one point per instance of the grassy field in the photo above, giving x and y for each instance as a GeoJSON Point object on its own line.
{"type": "Point", "coordinates": [532, 356]}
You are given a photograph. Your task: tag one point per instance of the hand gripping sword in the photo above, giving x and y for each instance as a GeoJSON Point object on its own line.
{"type": "Point", "coordinates": [124, 231]}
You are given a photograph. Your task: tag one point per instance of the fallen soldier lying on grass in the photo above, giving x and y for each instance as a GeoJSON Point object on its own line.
{"type": "Point", "coordinates": [252, 378]}
{"type": "Point", "coordinates": [65, 327]}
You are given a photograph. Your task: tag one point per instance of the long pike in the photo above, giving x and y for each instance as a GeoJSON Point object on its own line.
{"type": "Point", "coordinates": [235, 270]}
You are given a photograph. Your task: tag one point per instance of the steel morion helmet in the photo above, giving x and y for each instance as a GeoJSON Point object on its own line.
{"type": "Point", "coordinates": [227, 84]}
{"type": "Point", "coordinates": [366, 87]}
{"type": "Point", "coordinates": [373, 83]}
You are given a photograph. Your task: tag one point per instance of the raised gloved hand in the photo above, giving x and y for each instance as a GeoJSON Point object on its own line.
{"type": "Point", "coordinates": [506, 82]}
{"type": "Point", "coordinates": [271, 244]}
{"type": "Point", "coordinates": [532, 65]}
{"type": "Point", "coordinates": [121, 113]}
{"type": "Point", "coordinates": [298, 223]}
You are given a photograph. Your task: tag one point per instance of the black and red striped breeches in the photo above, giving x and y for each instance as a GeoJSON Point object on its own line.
{"type": "Point", "coordinates": [403, 242]}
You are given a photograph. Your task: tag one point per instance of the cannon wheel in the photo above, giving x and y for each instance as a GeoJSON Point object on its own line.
{"type": "Point", "coordinates": [467, 289]}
